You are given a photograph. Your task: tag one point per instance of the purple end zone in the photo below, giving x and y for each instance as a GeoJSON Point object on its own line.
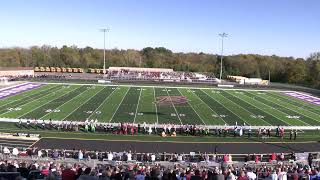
{"type": "Point", "coordinates": [305, 97]}
{"type": "Point", "coordinates": [18, 89]}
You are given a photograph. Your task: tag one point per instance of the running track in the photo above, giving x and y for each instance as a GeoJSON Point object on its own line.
{"type": "Point", "coordinates": [171, 147]}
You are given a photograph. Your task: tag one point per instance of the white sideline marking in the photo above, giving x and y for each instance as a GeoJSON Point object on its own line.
{"type": "Point", "coordinates": [173, 87]}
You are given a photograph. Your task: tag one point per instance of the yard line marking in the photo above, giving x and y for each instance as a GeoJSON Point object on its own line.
{"type": "Point", "coordinates": [255, 107]}
{"type": "Point", "coordinates": [27, 95]}
{"type": "Point", "coordinates": [226, 107]}
{"type": "Point", "coordinates": [276, 110]}
{"type": "Point", "coordinates": [48, 101]}
{"type": "Point", "coordinates": [64, 103]}
{"type": "Point", "coordinates": [135, 115]}
{"type": "Point", "coordinates": [81, 104]}
{"type": "Point", "coordinates": [208, 106]}
{"type": "Point", "coordinates": [102, 102]}
{"type": "Point", "coordinates": [242, 107]}
{"type": "Point", "coordinates": [154, 95]}
{"type": "Point", "coordinates": [119, 105]}
{"type": "Point", "coordinates": [289, 110]}
{"type": "Point", "coordinates": [294, 101]}
{"type": "Point", "coordinates": [34, 99]}
{"type": "Point", "coordinates": [262, 109]}
{"type": "Point", "coordinates": [193, 108]}
{"type": "Point", "coordinates": [55, 91]}
{"type": "Point", "coordinates": [296, 107]}
{"type": "Point", "coordinates": [174, 107]}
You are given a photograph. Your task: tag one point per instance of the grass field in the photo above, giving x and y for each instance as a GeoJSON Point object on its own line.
{"type": "Point", "coordinates": [135, 104]}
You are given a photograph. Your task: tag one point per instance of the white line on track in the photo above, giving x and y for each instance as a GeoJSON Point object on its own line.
{"type": "Point", "coordinates": [119, 105]}
{"type": "Point", "coordinates": [65, 102]}
{"type": "Point", "coordinates": [135, 115]}
{"type": "Point", "coordinates": [81, 104]}
{"type": "Point", "coordinates": [102, 103]}
{"type": "Point", "coordinates": [193, 109]}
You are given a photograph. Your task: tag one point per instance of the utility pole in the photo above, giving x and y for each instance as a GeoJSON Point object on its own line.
{"type": "Point", "coordinates": [223, 35]}
{"type": "Point", "coordinates": [269, 77]}
{"type": "Point", "coordinates": [104, 30]}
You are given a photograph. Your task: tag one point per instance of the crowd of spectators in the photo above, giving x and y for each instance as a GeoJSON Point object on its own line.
{"type": "Point", "coordinates": [33, 168]}
{"type": "Point", "coordinates": [128, 74]}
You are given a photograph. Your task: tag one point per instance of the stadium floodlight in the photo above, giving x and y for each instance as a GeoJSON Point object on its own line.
{"type": "Point", "coordinates": [223, 35]}
{"type": "Point", "coordinates": [104, 30]}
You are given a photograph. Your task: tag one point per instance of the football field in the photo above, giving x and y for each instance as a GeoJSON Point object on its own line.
{"type": "Point", "coordinates": [206, 106]}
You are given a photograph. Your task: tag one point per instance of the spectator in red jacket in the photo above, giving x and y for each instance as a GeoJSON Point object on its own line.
{"type": "Point", "coordinates": [68, 173]}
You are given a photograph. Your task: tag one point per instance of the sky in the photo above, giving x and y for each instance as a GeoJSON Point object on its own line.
{"type": "Point", "coordinates": [267, 27]}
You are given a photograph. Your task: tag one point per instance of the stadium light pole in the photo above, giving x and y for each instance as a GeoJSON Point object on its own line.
{"type": "Point", "coordinates": [104, 30]}
{"type": "Point", "coordinates": [223, 35]}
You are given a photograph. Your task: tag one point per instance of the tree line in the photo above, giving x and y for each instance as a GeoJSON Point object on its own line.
{"type": "Point", "coordinates": [282, 69]}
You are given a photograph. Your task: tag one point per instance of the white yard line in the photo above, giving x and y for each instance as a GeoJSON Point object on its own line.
{"type": "Point", "coordinates": [226, 108]}
{"type": "Point", "coordinates": [154, 95]}
{"type": "Point", "coordinates": [25, 96]}
{"type": "Point", "coordinates": [296, 107]}
{"type": "Point", "coordinates": [102, 103]}
{"type": "Point", "coordinates": [289, 110]}
{"type": "Point", "coordinates": [193, 109]}
{"type": "Point", "coordinates": [270, 108]}
{"type": "Point", "coordinates": [174, 107]}
{"type": "Point", "coordinates": [135, 115]}
{"type": "Point", "coordinates": [48, 101]}
{"type": "Point", "coordinates": [119, 105]}
{"type": "Point", "coordinates": [32, 101]}
{"type": "Point", "coordinates": [209, 107]}
{"type": "Point", "coordinates": [239, 106]}
{"type": "Point", "coordinates": [80, 105]}
{"type": "Point", "coordinates": [260, 109]}
{"type": "Point", "coordinates": [173, 87]}
{"type": "Point", "coordinates": [64, 103]}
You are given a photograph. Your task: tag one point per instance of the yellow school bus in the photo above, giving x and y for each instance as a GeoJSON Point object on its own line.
{"type": "Point", "coordinates": [52, 69]}
{"type": "Point", "coordinates": [58, 69]}
{"type": "Point", "coordinates": [69, 70]}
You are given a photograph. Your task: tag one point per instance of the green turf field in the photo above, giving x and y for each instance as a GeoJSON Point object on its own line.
{"type": "Point", "coordinates": [137, 104]}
